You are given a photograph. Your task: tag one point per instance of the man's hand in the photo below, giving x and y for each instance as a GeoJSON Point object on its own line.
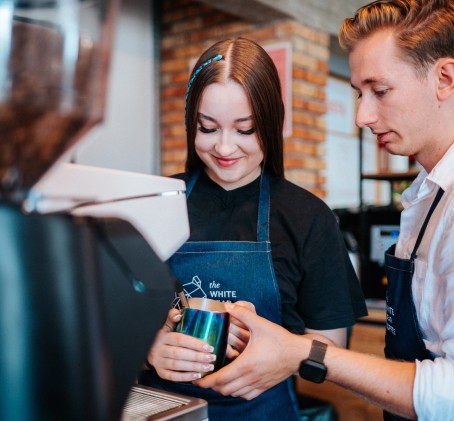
{"type": "Point", "coordinates": [271, 355]}
{"type": "Point", "coordinates": [238, 333]}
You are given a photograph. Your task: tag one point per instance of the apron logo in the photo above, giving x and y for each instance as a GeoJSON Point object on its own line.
{"type": "Point", "coordinates": [194, 289]}
{"type": "Point", "coordinates": [389, 320]}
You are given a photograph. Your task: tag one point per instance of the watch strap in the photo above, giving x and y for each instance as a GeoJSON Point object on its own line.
{"type": "Point", "coordinates": [318, 351]}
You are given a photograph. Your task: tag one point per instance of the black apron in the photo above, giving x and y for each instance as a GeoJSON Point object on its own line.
{"type": "Point", "coordinates": [403, 339]}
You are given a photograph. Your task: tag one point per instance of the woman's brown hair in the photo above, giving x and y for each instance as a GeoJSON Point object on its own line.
{"type": "Point", "coordinates": [248, 64]}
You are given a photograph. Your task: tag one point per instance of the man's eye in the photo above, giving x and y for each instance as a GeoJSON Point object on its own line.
{"type": "Point", "coordinates": [247, 132]}
{"type": "Point", "coordinates": [205, 130]}
{"type": "Point", "coordinates": [382, 92]}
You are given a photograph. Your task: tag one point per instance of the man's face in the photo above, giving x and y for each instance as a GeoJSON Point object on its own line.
{"type": "Point", "coordinates": [398, 106]}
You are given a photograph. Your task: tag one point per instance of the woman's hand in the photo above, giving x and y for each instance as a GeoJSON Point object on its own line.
{"type": "Point", "coordinates": [238, 333]}
{"type": "Point", "coordinates": [179, 357]}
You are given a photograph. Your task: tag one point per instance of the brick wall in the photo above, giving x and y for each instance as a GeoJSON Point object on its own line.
{"type": "Point", "coordinates": [189, 27]}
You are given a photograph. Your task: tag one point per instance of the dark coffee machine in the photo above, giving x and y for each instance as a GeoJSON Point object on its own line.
{"type": "Point", "coordinates": [83, 286]}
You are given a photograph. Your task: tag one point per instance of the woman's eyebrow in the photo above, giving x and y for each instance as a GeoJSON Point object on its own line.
{"type": "Point", "coordinates": [238, 120]}
{"type": "Point", "coordinates": [206, 117]}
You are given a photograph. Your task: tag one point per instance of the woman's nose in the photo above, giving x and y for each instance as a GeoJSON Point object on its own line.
{"type": "Point", "coordinates": [225, 145]}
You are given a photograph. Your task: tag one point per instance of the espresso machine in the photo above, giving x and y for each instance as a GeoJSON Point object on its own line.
{"type": "Point", "coordinates": [84, 283]}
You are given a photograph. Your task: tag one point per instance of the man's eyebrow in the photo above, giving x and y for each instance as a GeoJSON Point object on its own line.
{"type": "Point", "coordinates": [368, 81]}
{"type": "Point", "coordinates": [238, 120]}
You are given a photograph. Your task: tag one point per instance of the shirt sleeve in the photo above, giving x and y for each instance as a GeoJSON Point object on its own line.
{"type": "Point", "coordinates": [433, 390]}
{"type": "Point", "coordinates": [330, 295]}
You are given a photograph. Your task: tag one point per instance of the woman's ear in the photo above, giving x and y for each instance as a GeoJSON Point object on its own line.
{"type": "Point", "coordinates": [445, 78]}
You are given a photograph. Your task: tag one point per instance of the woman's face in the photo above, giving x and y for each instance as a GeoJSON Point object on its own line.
{"type": "Point", "coordinates": [226, 139]}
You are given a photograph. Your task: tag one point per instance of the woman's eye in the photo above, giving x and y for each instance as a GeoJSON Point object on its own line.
{"type": "Point", "coordinates": [247, 132]}
{"type": "Point", "coordinates": [205, 130]}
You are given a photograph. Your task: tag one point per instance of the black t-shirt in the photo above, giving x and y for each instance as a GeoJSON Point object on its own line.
{"type": "Point", "coordinates": [318, 286]}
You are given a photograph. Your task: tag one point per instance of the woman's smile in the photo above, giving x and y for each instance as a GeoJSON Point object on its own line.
{"type": "Point", "coordinates": [226, 140]}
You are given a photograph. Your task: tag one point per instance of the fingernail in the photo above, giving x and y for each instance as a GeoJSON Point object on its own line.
{"type": "Point", "coordinates": [210, 357]}
{"type": "Point", "coordinates": [176, 318]}
{"type": "Point", "coordinates": [208, 367]}
{"type": "Point", "coordinates": [197, 376]}
{"type": "Point", "coordinates": [208, 348]}
{"type": "Point", "coordinates": [228, 305]}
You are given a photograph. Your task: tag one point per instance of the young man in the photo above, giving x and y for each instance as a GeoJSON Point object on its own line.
{"type": "Point", "coordinates": [401, 56]}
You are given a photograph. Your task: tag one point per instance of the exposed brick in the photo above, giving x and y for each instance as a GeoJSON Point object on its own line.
{"type": "Point", "coordinates": [299, 147]}
{"type": "Point", "coordinates": [301, 178]}
{"type": "Point", "coordinates": [174, 155]}
{"type": "Point", "coordinates": [317, 78]}
{"type": "Point", "coordinates": [187, 25]}
{"type": "Point", "coordinates": [323, 66]}
{"type": "Point", "coordinates": [261, 34]}
{"type": "Point", "coordinates": [307, 119]}
{"type": "Point", "coordinates": [301, 104]}
{"type": "Point", "coordinates": [172, 117]}
{"type": "Point", "coordinates": [174, 104]}
{"type": "Point", "coordinates": [308, 90]}
{"type": "Point", "coordinates": [236, 28]}
{"type": "Point", "coordinates": [173, 41]}
{"type": "Point", "coordinates": [212, 34]}
{"type": "Point", "coordinates": [170, 168]}
{"type": "Point", "coordinates": [305, 162]}
{"type": "Point", "coordinates": [188, 51]}
{"type": "Point", "coordinates": [309, 134]}
{"type": "Point", "coordinates": [305, 61]}
{"type": "Point", "coordinates": [174, 144]}
{"type": "Point", "coordinates": [176, 91]}
{"type": "Point", "coordinates": [318, 51]}
{"type": "Point", "coordinates": [197, 9]}
{"type": "Point", "coordinates": [174, 65]}
{"type": "Point", "coordinates": [172, 15]}
{"type": "Point", "coordinates": [218, 18]}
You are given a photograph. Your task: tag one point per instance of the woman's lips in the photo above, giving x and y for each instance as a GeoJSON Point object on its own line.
{"type": "Point", "coordinates": [226, 162]}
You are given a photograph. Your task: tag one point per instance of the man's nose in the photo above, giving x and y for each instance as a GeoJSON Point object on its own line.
{"type": "Point", "coordinates": [366, 114]}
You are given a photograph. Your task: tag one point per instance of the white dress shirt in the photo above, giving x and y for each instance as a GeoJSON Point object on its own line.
{"type": "Point", "coordinates": [432, 285]}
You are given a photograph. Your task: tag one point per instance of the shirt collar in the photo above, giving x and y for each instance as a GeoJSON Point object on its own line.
{"type": "Point", "coordinates": [442, 175]}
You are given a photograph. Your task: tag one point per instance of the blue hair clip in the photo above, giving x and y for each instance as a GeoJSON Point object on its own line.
{"type": "Point", "coordinates": [198, 70]}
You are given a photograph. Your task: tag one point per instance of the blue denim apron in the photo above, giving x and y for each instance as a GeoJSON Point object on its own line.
{"type": "Point", "coordinates": [403, 339]}
{"type": "Point", "coordinates": [232, 271]}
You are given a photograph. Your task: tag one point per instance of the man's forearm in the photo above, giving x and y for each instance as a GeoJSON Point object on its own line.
{"type": "Point", "coordinates": [386, 383]}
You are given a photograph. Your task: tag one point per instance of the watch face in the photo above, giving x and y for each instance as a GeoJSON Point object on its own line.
{"type": "Point", "coordinates": [312, 371]}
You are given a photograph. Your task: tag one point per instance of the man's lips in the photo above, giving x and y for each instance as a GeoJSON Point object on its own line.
{"type": "Point", "coordinates": [382, 137]}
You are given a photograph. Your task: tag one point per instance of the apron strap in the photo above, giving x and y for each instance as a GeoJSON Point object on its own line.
{"type": "Point", "coordinates": [426, 222]}
{"type": "Point", "coordinates": [191, 182]}
{"type": "Point", "coordinates": [263, 234]}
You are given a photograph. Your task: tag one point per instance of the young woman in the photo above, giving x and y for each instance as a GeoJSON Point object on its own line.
{"type": "Point", "coordinates": [255, 237]}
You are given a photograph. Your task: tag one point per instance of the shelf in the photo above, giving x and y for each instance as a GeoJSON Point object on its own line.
{"type": "Point", "coordinates": [391, 176]}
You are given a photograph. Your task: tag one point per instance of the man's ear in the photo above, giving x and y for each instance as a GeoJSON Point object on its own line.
{"type": "Point", "coordinates": [445, 78]}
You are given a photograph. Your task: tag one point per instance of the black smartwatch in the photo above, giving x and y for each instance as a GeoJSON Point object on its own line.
{"type": "Point", "coordinates": [313, 369]}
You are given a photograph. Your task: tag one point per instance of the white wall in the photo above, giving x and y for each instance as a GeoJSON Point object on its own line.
{"type": "Point", "coordinates": [128, 139]}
